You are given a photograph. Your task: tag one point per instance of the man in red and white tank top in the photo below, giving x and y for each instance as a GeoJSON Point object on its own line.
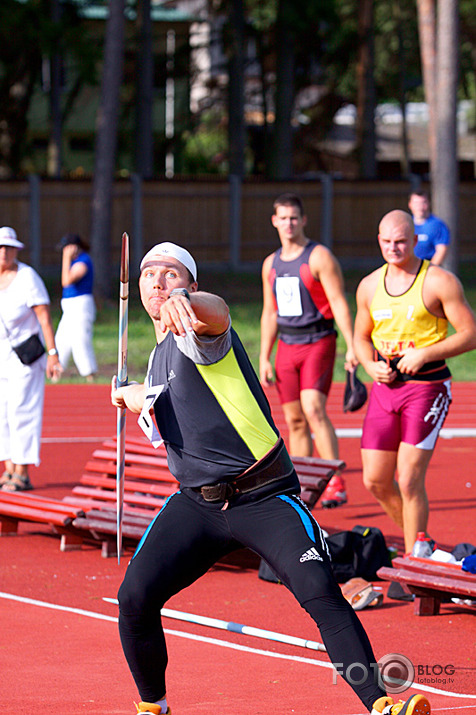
{"type": "Point", "coordinates": [303, 293]}
{"type": "Point", "coordinates": [401, 339]}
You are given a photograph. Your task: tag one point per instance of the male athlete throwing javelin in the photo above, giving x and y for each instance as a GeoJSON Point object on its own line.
{"type": "Point", "coordinates": [238, 487]}
{"type": "Point", "coordinates": [401, 339]}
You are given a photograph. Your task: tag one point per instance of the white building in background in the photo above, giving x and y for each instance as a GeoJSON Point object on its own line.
{"type": "Point", "coordinates": [388, 119]}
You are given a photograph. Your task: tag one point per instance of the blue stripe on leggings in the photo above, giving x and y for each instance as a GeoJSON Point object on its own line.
{"type": "Point", "coordinates": [307, 523]}
{"type": "Point", "coordinates": [146, 532]}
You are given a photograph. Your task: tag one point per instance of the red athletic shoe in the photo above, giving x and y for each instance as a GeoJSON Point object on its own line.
{"type": "Point", "coordinates": [334, 494]}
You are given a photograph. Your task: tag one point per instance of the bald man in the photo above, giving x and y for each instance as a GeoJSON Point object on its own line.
{"type": "Point", "coordinates": [401, 339]}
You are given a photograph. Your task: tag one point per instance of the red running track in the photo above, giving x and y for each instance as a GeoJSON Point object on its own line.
{"type": "Point", "coordinates": [71, 663]}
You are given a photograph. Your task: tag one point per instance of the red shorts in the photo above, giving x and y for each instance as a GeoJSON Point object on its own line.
{"type": "Point", "coordinates": [411, 412]}
{"type": "Point", "coordinates": [304, 367]}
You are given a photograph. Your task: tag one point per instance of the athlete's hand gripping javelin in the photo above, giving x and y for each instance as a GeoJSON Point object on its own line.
{"type": "Point", "coordinates": [129, 396]}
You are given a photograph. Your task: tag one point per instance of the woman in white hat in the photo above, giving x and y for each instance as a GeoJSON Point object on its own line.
{"type": "Point", "coordinates": [24, 312]}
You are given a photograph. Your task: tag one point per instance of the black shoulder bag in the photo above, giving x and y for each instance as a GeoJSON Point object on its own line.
{"type": "Point", "coordinates": [30, 350]}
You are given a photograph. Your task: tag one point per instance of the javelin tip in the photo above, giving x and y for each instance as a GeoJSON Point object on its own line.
{"type": "Point", "coordinates": [124, 276]}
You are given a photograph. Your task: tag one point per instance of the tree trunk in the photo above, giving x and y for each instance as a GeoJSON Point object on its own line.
{"type": "Point", "coordinates": [106, 145]}
{"type": "Point", "coordinates": [144, 145]}
{"type": "Point", "coordinates": [281, 161]}
{"type": "Point", "coordinates": [405, 163]}
{"type": "Point", "coordinates": [55, 159]}
{"type": "Point", "coordinates": [427, 33]}
{"type": "Point", "coordinates": [445, 178]}
{"type": "Point", "coordinates": [236, 108]}
{"type": "Point", "coordinates": [365, 130]}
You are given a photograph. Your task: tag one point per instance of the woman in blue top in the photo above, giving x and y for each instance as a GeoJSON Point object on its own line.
{"type": "Point", "coordinates": [75, 330]}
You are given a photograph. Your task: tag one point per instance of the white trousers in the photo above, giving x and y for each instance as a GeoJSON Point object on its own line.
{"type": "Point", "coordinates": [22, 391]}
{"type": "Point", "coordinates": [75, 333]}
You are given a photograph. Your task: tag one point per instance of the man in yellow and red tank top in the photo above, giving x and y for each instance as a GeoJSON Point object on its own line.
{"type": "Point", "coordinates": [401, 339]}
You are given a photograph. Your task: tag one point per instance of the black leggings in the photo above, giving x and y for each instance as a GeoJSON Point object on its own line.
{"type": "Point", "coordinates": [187, 538]}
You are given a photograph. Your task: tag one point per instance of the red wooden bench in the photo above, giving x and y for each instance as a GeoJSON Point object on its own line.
{"type": "Point", "coordinates": [148, 483]}
{"type": "Point", "coordinates": [101, 524]}
{"type": "Point", "coordinates": [18, 506]}
{"type": "Point", "coordinates": [31, 507]}
{"type": "Point", "coordinates": [147, 476]}
{"type": "Point", "coordinates": [431, 581]}
{"type": "Point", "coordinates": [90, 510]}
{"type": "Point", "coordinates": [314, 474]}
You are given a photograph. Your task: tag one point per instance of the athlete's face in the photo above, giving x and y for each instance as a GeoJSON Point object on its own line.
{"type": "Point", "coordinates": [289, 222]}
{"type": "Point", "coordinates": [158, 278]}
{"type": "Point", "coordinates": [396, 241]}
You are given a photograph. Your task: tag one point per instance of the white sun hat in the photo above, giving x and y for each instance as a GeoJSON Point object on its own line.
{"type": "Point", "coordinates": [8, 237]}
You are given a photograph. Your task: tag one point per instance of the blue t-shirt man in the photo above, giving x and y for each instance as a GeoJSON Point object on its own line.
{"type": "Point", "coordinates": [433, 234]}
{"type": "Point", "coordinates": [430, 234]}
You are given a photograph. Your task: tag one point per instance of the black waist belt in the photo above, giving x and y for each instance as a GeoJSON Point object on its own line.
{"type": "Point", "coordinates": [325, 325]}
{"type": "Point", "coordinates": [275, 466]}
{"type": "Point", "coordinates": [430, 372]}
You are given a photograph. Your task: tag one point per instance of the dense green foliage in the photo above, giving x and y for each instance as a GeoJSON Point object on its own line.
{"type": "Point", "coordinates": [324, 42]}
{"type": "Point", "coordinates": [31, 39]}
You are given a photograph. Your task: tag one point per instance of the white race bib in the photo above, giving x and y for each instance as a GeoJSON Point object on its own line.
{"type": "Point", "coordinates": [146, 421]}
{"type": "Point", "coordinates": [288, 296]}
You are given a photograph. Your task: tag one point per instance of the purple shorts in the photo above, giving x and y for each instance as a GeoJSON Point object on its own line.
{"type": "Point", "coordinates": [410, 412]}
{"type": "Point", "coordinates": [304, 367]}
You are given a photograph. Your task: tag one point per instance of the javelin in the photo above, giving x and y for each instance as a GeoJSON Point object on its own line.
{"type": "Point", "coordinates": [121, 381]}
{"type": "Point", "coordinates": [236, 628]}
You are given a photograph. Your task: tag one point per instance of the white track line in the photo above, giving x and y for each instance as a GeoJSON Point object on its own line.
{"type": "Point", "coordinates": [445, 433]}
{"type": "Point", "coordinates": [215, 641]}
{"type": "Point", "coordinates": [444, 710]}
{"type": "Point", "coordinates": [343, 432]}
{"type": "Point", "coordinates": [71, 440]}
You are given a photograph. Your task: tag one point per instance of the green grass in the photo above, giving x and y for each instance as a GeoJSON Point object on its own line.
{"type": "Point", "coordinates": [243, 294]}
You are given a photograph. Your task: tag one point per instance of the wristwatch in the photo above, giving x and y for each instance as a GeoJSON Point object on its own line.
{"type": "Point", "coordinates": [180, 291]}
{"type": "Point", "coordinates": [52, 351]}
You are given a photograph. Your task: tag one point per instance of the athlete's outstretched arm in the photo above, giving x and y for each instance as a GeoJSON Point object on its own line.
{"type": "Point", "coordinates": [204, 314]}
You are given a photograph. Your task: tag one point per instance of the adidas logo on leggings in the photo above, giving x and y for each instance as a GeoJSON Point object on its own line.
{"type": "Point", "coordinates": [311, 555]}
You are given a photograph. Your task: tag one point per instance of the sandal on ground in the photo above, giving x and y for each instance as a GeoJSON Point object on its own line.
{"type": "Point", "coordinates": [5, 478]}
{"type": "Point", "coordinates": [17, 483]}
{"type": "Point", "coordinates": [360, 594]}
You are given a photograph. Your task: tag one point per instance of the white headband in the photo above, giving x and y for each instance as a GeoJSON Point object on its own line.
{"type": "Point", "coordinates": [171, 249]}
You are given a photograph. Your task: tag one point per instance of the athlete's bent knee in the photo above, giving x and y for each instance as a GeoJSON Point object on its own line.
{"type": "Point", "coordinates": [316, 583]}
{"type": "Point", "coordinates": [136, 597]}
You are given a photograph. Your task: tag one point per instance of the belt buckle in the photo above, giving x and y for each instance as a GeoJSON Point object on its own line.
{"type": "Point", "coordinates": [216, 492]}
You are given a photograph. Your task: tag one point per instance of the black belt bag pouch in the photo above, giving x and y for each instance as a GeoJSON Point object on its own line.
{"type": "Point", "coordinates": [30, 350]}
